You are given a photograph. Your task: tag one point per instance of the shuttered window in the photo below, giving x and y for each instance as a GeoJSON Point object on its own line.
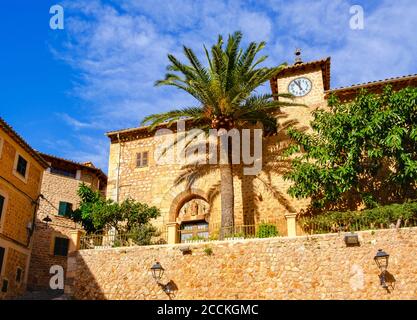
{"type": "Point", "coordinates": [19, 272]}
{"type": "Point", "coordinates": [142, 159]}
{"type": "Point", "coordinates": [5, 286]}
{"type": "Point", "coordinates": [65, 209]}
{"type": "Point", "coordinates": [61, 246]}
{"type": "Point", "coordinates": [21, 166]}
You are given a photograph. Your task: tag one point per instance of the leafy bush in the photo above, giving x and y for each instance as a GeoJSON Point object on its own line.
{"type": "Point", "coordinates": [375, 218]}
{"type": "Point", "coordinates": [127, 217]}
{"type": "Point", "coordinates": [208, 251]}
{"type": "Point", "coordinates": [357, 149]}
{"type": "Point", "coordinates": [267, 230]}
{"type": "Point", "coordinates": [196, 238]}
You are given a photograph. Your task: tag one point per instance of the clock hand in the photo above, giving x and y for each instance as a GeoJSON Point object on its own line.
{"type": "Point", "coordinates": [298, 84]}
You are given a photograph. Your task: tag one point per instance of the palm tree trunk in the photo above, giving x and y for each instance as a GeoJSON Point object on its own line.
{"type": "Point", "coordinates": [227, 200]}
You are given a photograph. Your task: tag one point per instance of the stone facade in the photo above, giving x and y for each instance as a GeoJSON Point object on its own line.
{"type": "Point", "coordinates": [56, 188]}
{"type": "Point", "coordinates": [260, 198]}
{"type": "Point", "coordinates": [305, 267]}
{"type": "Point", "coordinates": [19, 195]}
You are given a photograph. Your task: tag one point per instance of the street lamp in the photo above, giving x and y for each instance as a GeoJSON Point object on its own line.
{"type": "Point", "coordinates": [157, 271]}
{"type": "Point", "coordinates": [381, 260]}
{"type": "Point", "coordinates": [47, 220]}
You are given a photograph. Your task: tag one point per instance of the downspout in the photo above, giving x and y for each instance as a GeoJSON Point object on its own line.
{"type": "Point", "coordinates": [118, 168]}
{"type": "Point", "coordinates": [32, 229]}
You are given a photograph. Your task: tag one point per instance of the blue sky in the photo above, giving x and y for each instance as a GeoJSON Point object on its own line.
{"type": "Point", "coordinates": [63, 89]}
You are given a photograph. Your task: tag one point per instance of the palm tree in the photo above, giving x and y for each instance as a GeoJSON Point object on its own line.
{"type": "Point", "coordinates": [225, 90]}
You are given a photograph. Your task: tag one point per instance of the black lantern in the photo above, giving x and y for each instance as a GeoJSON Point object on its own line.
{"type": "Point", "coordinates": [157, 271]}
{"type": "Point", "coordinates": [381, 260]}
{"type": "Point", "coordinates": [47, 220]}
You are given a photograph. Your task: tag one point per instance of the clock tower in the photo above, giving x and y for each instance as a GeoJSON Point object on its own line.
{"type": "Point", "coordinates": [307, 82]}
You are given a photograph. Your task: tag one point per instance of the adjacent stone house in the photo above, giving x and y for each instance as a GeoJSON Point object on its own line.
{"type": "Point", "coordinates": [53, 229]}
{"type": "Point", "coordinates": [21, 170]}
{"type": "Point", "coordinates": [134, 171]}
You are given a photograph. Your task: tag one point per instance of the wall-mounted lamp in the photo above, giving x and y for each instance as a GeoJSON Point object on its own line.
{"type": "Point", "coordinates": [381, 260]}
{"type": "Point", "coordinates": [351, 239]}
{"type": "Point", "coordinates": [47, 220]}
{"type": "Point", "coordinates": [157, 273]}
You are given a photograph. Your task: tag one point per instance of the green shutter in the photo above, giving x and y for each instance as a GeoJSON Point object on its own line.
{"type": "Point", "coordinates": [62, 209]}
{"type": "Point", "coordinates": [1, 205]}
{"type": "Point", "coordinates": [61, 247]}
{"type": "Point", "coordinates": [65, 209]}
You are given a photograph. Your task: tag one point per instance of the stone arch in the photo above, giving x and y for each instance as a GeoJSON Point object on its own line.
{"type": "Point", "coordinates": [182, 198]}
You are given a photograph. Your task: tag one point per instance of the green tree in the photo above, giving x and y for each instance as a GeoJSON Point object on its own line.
{"type": "Point", "coordinates": [358, 149]}
{"type": "Point", "coordinates": [132, 217]}
{"type": "Point", "coordinates": [225, 91]}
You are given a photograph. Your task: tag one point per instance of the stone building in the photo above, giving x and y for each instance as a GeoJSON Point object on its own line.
{"type": "Point", "coordinates": [53, 229]}
{"type": "Point", "coordinates": [21, 170]}
{"type": "Point", "coordinates": [134, 171]}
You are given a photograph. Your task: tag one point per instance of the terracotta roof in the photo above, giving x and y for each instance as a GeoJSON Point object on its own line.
{"type": "Point", "coordinates": [79, 165]}
{"type": "Point", "coordinates": [20, 141]}
{"type": "Point", "coordinates": [324, 64]}
{"type": "Point", "coordinates": [347, 93]}
{"type": "Point", "coordinates": [138, 131]}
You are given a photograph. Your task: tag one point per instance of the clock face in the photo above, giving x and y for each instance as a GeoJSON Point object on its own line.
{"type": "Point", "coordinates": [300, 87]}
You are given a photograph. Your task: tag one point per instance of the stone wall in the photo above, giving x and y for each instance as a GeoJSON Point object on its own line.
{"type": "Point", "coordinates": [55, 188]}
{"type": "Point", "coordinates": [307, 267]}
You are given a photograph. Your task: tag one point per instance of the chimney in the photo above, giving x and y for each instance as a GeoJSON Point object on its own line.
{"type": "Point", "coordinates": [89, 164]}
{"type": "Point", "coordinates": [298, 57]}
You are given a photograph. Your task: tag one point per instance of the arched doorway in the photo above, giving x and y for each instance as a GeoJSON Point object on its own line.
{"type": "Point", "coordinates": [193, 220]}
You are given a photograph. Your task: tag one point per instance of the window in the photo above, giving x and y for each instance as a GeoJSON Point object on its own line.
{"type": "Point", "coordinates": [21, 166]}
{"type": "Point", "coordinates": [64, 172]}
{"type": "Point", "coordinates": [65, 209]}
{"type": "Point", "coordinates": [197, 230]}
{"type": "Point", "coordinates": [142, 159]}
{"type": "Point", "coordinates": [19, 273]}
{"type": "Point", "coordinates": [2, 252]}
{"type": "Point", "coordinates": [61, 246]}
{"type": "Point", "coordinates": [1, 205]}
{"type": "Point", "coordinates": [5, 285]}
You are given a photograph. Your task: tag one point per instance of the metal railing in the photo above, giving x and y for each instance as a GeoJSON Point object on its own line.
{"type": "Point", "coordinates": [214, 232]}
{"type": "Point", "coordinates": [356, 224]}
{"type": "Point", "coordinates": [109, 239]}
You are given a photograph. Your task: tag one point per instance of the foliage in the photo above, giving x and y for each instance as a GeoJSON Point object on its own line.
{"type": "Point", "coordinates": [235, 235]}
{"type": "Point", "coordinates": [362, 220]}
{"type": "Point", "coordinates": [266, 230]}
{"type": "Point", "coordinates": [358, 148]}
{"type": "Point", "coordinates": [128, 217]}
{"type": "Point", "coordinates": [196, 238]}
{"type": "Point", "coordinates": [208, 251]}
